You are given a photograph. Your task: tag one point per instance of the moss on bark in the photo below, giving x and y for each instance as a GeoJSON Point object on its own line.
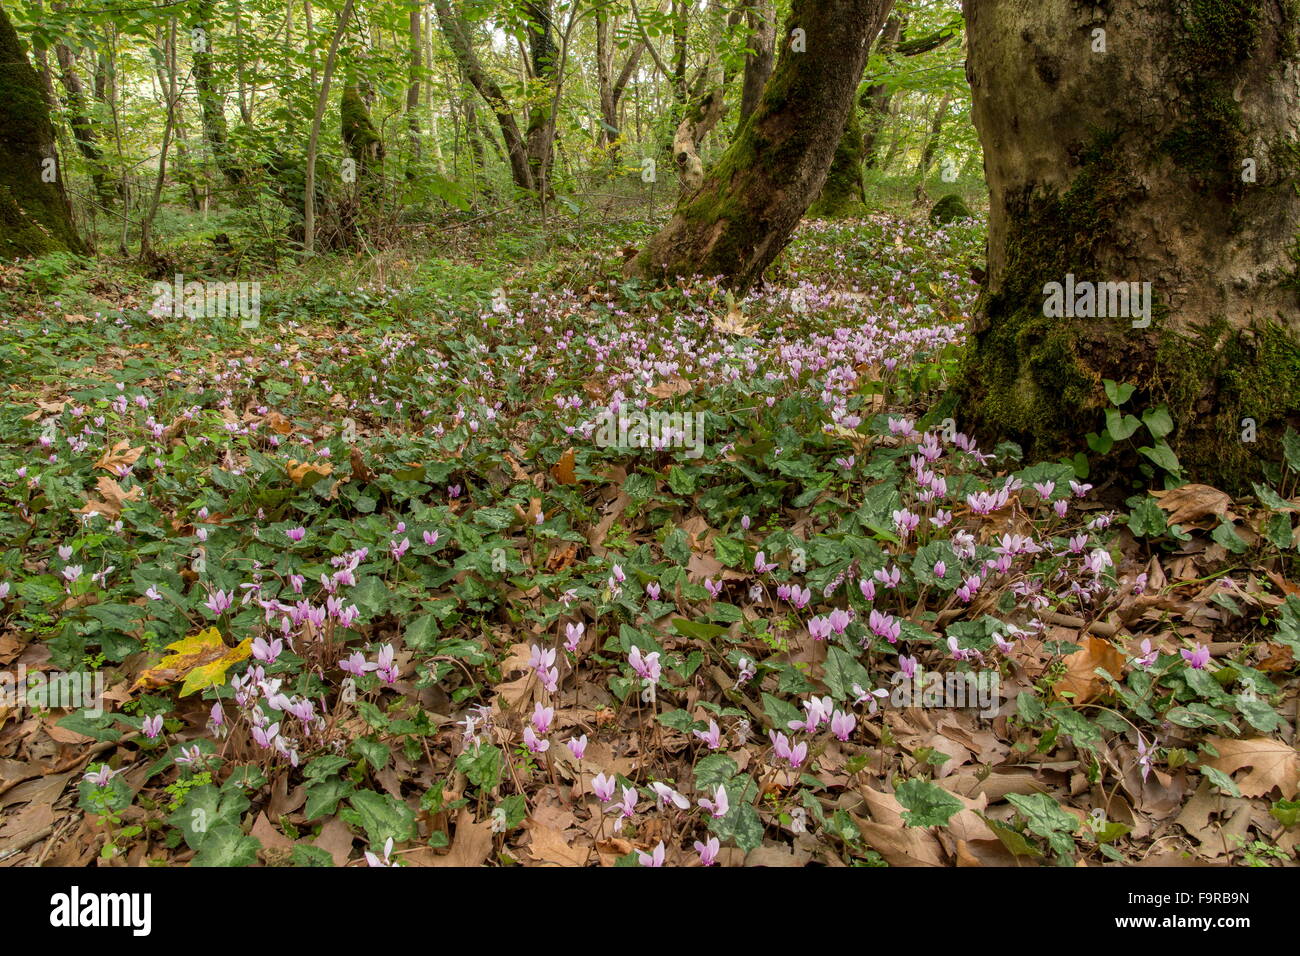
{"type": "Point", "coordinates": [1216, 352]}
{"type": "Point", "coordinates": [34, 213]}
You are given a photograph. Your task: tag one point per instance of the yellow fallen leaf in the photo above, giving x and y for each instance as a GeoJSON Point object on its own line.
{"type": "Point", "coordinates": [202, 659]}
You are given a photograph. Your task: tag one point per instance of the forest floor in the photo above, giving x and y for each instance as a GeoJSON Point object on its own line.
{"type": "Point", "coordinates": [375, 570]}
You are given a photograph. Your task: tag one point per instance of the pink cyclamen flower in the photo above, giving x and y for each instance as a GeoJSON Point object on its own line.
{"type": "Point", "coordinates": [626, 807]}
{"type": "Point", "coordinates": [842, 724]}
{"type": "Point", "coordinates": [533, 743]}
{"type": "Point", "coordinates": [263, 651]}
{"type": "Point", "coordinates": [781, 747]}
{"type": "Point", "coordinates": [713, 587]}
{"type": "Point", "coordinates": [708, 851]}
{"type": "Point", "coordinates": [646, 666]}
{"type": "Point", "coordinates": [577, 746]}
{"type": "Point", "coordinates": [762, 565]}
{"type": "Point", "coordinates": [542, 717]}
{"type": "Point", "coordinates": [652, 589]}
{"type": "Point", "coordinates": [652, 859]}
{"type": "Point", "coordinates": [819, 628]}
{"type": "Point", "coordinates": [1197, 658]}
{"type": "Point", "coordinates": [431, 538]}
{"type": "Point", "coordinates": [907, 665]}
{"type": "Point", "coordinates": [373, 860]}
{"type": "Point", "coordinates": [667, 795]}
{"type": "Point", "coordinates": [539, 659]}
{"type": "Point", "coordinates": [602, 785]}
{"type": "Point", "coordinates": [101, 777]}
{"type": "Point", "coordinates": [384, 666]}
{"type": "Point", "coordinates": [839, 620]}
{"type": "Point", "coordinates": [219, 602]}
{"type": "Point", "coordinates": [296, 534]}
{"type": "Point", "coordinates": [572, 635]}
{"type": "Point", "coordinates": [357, 664]}
{"type": "Point", "coordinates": [885, 625]}
{"type": "Point", "coordinates": [800, 598]}
{"type": "Point", "coordinates": [719, 805]}
{"type": "Point", "coordinates": [1146, 753]}
{"type": "Point", "coordinates": [711, 737]}
{"type": "Point", "coordinates": [868, 588]}
{"type": "Point", "coordinates": [265, 736]}
{"type": "Point", "coordinates": [1149, 654]}
{"type": "Point", "coordinates": [152, 726]}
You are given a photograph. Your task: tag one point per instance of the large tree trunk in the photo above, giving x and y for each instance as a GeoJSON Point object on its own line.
{"type": "Point", "coordinates": [1134, 165]}
{"type": "Point", "coordinates": [544, 56]}
{"type": "Point", "coordinates": [760, 17]}
{"type": "Point", "coordinates": [34, 213]}
{"type": "Point", "coordinates": [212, 101]}
{"type": "Point", "coordinates": [361, 140]}
{"type": "Point", "coordinates": [751, 201]}
{"type": "Point", "coordinates": [83, 129]}
{"type": "Point", "coordinates": [843, 186]}
{"type": "Point", "coordinates": [454, 29]}
{"type": "Point", "coordinates": [876, 97]}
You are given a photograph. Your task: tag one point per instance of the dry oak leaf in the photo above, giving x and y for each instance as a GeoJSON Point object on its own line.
{"type": "Point", "coordinates": [1192, 503]}
{"type": "Point", "coordinates": [1080, 679]}
{"type": "Point", "coordinates": [119, 455]}
{"type": "Point", "coordinates": [1272, 763]}
{"type": "Point", "coordinates": [549, 845]}
{"type": "Point", "coordinates": [671, 387]}
{"type": "Point", "coordinates": [470, 845]}
{"type": "Point", "coordinates": [299, 470]}
{"type": "Point", "coordinates": [563, 470]}
{"type": "Point", "coordinates": [202, 659]}
{"type": "Point", "coordinates": [113, 498]}
{"type": "Point", "coordinates": [278, 423]}
{"type": "Point", "coordinates": [733, 323]}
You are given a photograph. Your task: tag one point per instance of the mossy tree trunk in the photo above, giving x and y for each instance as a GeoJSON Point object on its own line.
{"type": "Point", "coordinates": [843, 187]}
{"type": "Point", "coordinates": [544, 55]}
{"type": "Point", "coordinates": [212, 102]}
{"type": "Point", "coordinates": [1171, 158]}
{"type": "Point", "coordinates": [34, 214]}
{"type": "Point", "coordinates": [742, 216]}
{"type": "Point", "coordinates": [760, 18]}
{"type": "Point", "coordinates": [361, 140]}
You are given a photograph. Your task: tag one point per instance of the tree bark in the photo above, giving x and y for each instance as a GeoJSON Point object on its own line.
{"type": "Point", "coordinates": [543, 55]}
{"type": "Point", "coordinates": [1133, 165]}
{"type": "Point", "coordinates": [83, 128]}
{"type": "Point", "coordinates": [211, 100]}
{"type": "Point", "coordinates": [761, 18]}
{"type": "Point", "coordinates": [843, 186]}
{"type": "Point", "coordinates": [876, 97]}
{"type": "Point", "coordinates": [751, 201]}
{"type": "Point", "coordinates": [413, 85]}
{"type": "Point", "coordinates": [453, 28]}
{"type": "Point", "coordinates": [313, 139]}
{"type": "Point", "coordinates": [34, 214]}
